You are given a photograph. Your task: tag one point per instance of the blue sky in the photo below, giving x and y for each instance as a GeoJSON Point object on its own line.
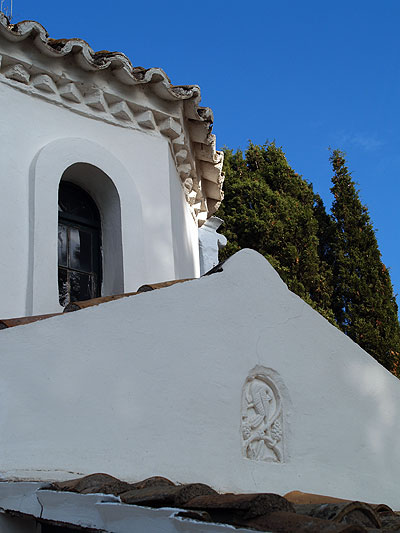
{"type": "Point", "coordinates": [308, 75]}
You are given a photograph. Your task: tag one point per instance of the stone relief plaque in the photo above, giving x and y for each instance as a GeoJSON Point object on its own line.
{"type": "Point", "coordinates": [262, 417]}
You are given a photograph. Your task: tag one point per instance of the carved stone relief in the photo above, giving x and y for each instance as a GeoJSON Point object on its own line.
{"type": "Point", "coordinates": [262, 427]}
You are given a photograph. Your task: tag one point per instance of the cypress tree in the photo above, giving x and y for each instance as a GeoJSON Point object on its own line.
{"type": "Point", "coordinates": [270, 208]}
{"type": "Point", "coordinates": [363, 302]}
{"type": "Point", "coordinates": [325, 235]}
{"type": "Point", "coordinates": [331, 261]}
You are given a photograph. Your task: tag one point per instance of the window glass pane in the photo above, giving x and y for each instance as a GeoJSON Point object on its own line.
{"type": "Point", "coordinates": [80, 286]}
{"type": "Point", "coordinates": [63, 287]}
{"type": "Point", "coordinates": [86, 250]}
{"type": "Point", "coordinates": [75, 202]}
{"type": "Point", "coordinates": [62, 245]}
{"type": "Point", "coordinates": [79, 252]}
{"type": "Point", "coordinates": [80, 249]}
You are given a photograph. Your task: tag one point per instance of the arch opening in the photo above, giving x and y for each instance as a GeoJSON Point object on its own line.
{"type": "Point", "coordinates": [79, 245]}
{"type": "Point", "coordinates": [103, 208]}
{"type": "Point", "coordinates": [113, 189]}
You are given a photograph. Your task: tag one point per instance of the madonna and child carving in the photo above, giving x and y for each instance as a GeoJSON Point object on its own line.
{"type": "Point", "coordinates": [262, 419]}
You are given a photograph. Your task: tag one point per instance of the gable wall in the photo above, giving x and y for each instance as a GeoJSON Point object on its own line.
{"type": "Point", "coordinates": [156, 384]}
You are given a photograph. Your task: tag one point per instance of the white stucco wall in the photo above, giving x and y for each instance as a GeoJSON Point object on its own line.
{"type": "Point", "coordinates": [184, 233]}
{"type": "Point", "coordinates": [39, 141]}
{"type": "Point", "coordinates": [156, 384]}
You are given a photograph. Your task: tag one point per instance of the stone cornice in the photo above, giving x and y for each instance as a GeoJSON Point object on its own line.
{"type": "Point", "coordinates": [105, 86]}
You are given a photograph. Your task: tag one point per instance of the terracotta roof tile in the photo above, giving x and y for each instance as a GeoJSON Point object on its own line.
{"type": "Point", "coordinates": [382, 508]}
{"type": "Point", "coordinates": [75, 306]}
{"type": "Point", "coordinates": [239, 506]}
{"type": "Point", "coordinates": [154, 481]}
{"type": "Point", "coordinates": [299, 497]}
{"type": "Point", "coordinates": [349, 512]}
{"type": "Point", "coordinates": [11, 322]}
{"type": "Point", "coordinates": [94, 483]}
{"type": "Point", "coordinates": [390, 522]}
{"type": "Point", "coordinates": [200, 119]}
{"type": "Point", "coordinates": [261, 511]}
{"type": "Point", "coordinates": [285, 522]}
{"type": "Point", "coordinates": [167, 496]}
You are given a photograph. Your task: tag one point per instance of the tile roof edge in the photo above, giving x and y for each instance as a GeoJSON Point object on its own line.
{"type": "Point", "coordinates": [209, 160]}
{"type": "Point", "coordinates": [6, 323]}
{"type": "Point", "coordinates": [101, 60]}
{"type": "Point", "coordinates": [102, 496]}
{"type": "Point", "coordinates": [98, 511]}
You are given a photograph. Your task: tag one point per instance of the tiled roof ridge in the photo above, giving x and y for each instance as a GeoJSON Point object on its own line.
{"type": "Point", "coordinates": [100, 60]}
{"type": "Point", "coordinates": [208, 159]}
{"type": "Point", "coordinates": [6, 323]}
{"type": "Point", "coordinates": [260, 511]}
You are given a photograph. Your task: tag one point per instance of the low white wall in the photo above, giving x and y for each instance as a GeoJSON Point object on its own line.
{"type": "Point", "coordinates": [162, 383]}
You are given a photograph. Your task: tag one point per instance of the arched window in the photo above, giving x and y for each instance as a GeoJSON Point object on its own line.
{"type": "Point", "coordinates": [79, 245]}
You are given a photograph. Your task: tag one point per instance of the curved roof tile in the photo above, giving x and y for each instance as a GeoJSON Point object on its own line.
{"type": "Point", "coordinates": [122, 69]}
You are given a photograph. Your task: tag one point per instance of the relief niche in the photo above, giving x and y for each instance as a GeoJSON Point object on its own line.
{"type": "Point", "coordinates": [262, 423]}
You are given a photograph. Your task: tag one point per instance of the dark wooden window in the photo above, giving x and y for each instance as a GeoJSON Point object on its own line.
{"type": "Point", "coordinates": [79, 245]}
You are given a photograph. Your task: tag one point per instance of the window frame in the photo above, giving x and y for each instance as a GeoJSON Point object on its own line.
{"type": "Point", "coordinates": [70, 221]}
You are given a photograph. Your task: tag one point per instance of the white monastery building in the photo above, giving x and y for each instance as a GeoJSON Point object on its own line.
{"type": "Point", "coordinates": [228, 383]}
{"type": "Point", "coordinates": [121, 159]}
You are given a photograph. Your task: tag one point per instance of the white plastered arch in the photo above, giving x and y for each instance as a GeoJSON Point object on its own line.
{"type": "Point", "coordinates": [47, 169]}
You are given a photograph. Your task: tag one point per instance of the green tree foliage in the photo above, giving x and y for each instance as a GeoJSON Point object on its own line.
{"type": "Point", "coordinates": [331, 261]}
{"type": "Point", "coordinates": [270, 208]}
{"type": "Point", "coordinates": [363, 302]}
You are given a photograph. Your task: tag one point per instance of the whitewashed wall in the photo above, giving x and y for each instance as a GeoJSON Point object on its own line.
{"type": "Point", "coordinates": [38, 142]}
{"type": "Point", "coordinates": [155, 385]}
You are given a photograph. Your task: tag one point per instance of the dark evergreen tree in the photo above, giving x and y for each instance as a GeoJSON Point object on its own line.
{"type": "Point", "coordinates": [331, 261]}
{"type": "Point", "coordinates": [270, 208]}
{"type": "Point", "coordinates": [325, 235]}
{"type": "Point", "coordinates": [363, 302]}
